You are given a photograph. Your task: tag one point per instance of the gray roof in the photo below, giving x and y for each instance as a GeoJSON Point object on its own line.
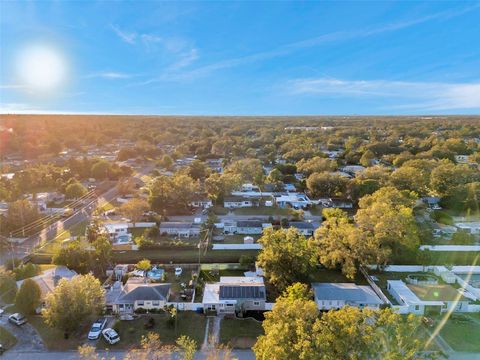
{"type": "Point", "coordinates": [175, 225]}
{"type": "Point", "coordinates": [302, 225]}
{"type": "Point", "coordinates": [346, 292]}
{"type": "Point", "coordinates": [146, 292]}
{"type": "Point", "coordinates": [230, 292]}
{"type": "Point", "coordinates": [249, 223]}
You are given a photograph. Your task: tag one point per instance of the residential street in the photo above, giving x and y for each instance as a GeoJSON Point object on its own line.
{"type": "Point", "coordinates": [118, 355]}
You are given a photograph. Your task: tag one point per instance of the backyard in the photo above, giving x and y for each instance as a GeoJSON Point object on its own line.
{"type": "Point", "coordinates": [263, 210]}
{"type": "Point", "coordinates": [462, 332]}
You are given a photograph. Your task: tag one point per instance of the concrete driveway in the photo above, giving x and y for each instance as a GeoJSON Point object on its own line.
{"type": "Point", "coordinates": [28, 338]}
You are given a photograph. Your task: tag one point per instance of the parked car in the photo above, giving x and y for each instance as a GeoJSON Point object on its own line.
{"type": "Point", "coordinates": [110, 336]}
{"type": "Point", "coordinates": [2, 349]}
{"type": "Point", "coordinates": [17, 319]}
{"type": "Point", "coordinates": [96, 329]}
{"type": "Point", "coordinates": [178, 271]}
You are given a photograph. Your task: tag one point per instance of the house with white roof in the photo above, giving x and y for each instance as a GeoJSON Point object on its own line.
{"type": "Point", "coordinates": [426, 299]}
{"type": "Point", "coordinates": [180, 228]}
{"type": "Point", "coordinates": [330, 296]}
{"type": "Point", "coordinates": [294, 200]}
{"type": "Point", "coordinates": [233, 294]}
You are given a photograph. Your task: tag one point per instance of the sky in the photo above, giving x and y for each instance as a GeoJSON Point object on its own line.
{"type": "Point", "coordinates": [240, 58]}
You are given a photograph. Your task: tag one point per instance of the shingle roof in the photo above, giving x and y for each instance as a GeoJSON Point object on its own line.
{"type": "Point", "coordinates": [301, 225]}
{"type": "Point", "coordinates": [249, 223]}
{"type": "Point", "coordinates": [345, 291]}
{"type": "Point", "coordinates": [175, 225]}
{"type": "Point", "coordinates": [146, 292]}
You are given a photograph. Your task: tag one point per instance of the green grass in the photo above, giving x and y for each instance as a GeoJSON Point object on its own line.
{"type": "Point", "coordinates": [263, 210]}
{"type": "Point", "coordinates": [54, 338]}
{"type": "Point", "coordinates": [442, 217]}
{"type": "Point", "coordinates": [7, 339]}
{"type": "Point", "coordinates": [131, 332]}
{"type": "Point", "coordinates": [462, 335]}
{"type": "Point", "coordinates": [334, 276]}
{"type": "Point", "coordinates": [240, 333]}
{"type": "Point", "coordinates": [218, 210]}
{"type": "Point", "coordinates": [54, 245]}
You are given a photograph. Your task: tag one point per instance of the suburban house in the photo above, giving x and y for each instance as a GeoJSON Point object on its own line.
{"type": "Point", "coordinates": [235, 202]}
{"type": "Point", "coordinates": [294, 200]}
{"type": "Point", "coordinates": [234, 294]}
{"type": "Point", "coordinates": [136, 294]}
{"type": "Point", "coordinates": [337, 295]}
{"type": "Point", "coordinates": [432, 202]}
{"type": "Point", "coordinates": [251, 227]}
{"type": "Point", "coordinates": [353, 169]}
{"type": "Point", "coordinates": [201, 201]}
{"type": "Point", "coordinates": [334, 203]}
{"type": "Point", "coordinates": [179, 228]}
{"type": "Point", "coordinates": [115, 230]}
{"type": "Point", "coordinates": [303, 227]}
{"type": "Point", "coordinates": [49, 279]}
{"type": "Point", "coordinates": [215, 164]}
{"type": "Point", "coordinates": [427, 299]}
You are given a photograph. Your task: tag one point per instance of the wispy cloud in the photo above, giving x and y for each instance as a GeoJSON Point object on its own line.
{"type": "Point", "coordinates": [112, 75]}
{"type": "Point", "coordinates": [293, 47]}
{"type": "Point", "coordinates": [128, 37]}
{"type": "Point", "coordinates": [407, 95]}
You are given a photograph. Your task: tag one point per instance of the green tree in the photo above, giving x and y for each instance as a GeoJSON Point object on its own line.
{"type": "Point", "coordinates": [144, 265]}
{"type": "Point", "coordinates": [250, 170]}
{"type": "Point", "coordinates": [75, 256]}
{"type": "Point", "coordinates": [19, 214]}
{"type": "Point", "coordinates": [75, 190]}
{"type": "Point", "coordinates": [197, 170]}
{"type": "Point", "coordinates": [187, 346]}
{"type": "Point", "coordinates": [103, 252]}
{"type": "Point", "coordinates": [73, 302]}
{"type": "Point", "coordinates": [341, 244]}
{"type": "Point", "coordinates": [326, 185]}
{"type": "Point", "coordinates": [8, 286]}
{"type": "Point", "coordinates": [316, 164]}
{"type": "Point", "coordinates": [28, 297]}
{"type": "Point", "coordinates": [285, 257]}
{"type": "Point", "coordinates": [134, 209]}
{"type": "Point", "coordinates": [367, 158]}
{"type": "Point", "coordinates": [100, 170]}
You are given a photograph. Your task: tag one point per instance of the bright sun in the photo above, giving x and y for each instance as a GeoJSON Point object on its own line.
{"type": "Point", "coordinates": [41, 68]}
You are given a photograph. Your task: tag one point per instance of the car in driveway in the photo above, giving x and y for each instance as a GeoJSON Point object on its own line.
{"type": "Point", "coordinates": [178, 271]}
{"type": "Point", "coordinates": [96, 329]}
{"type": "Point", "coordinates": [110, 336]}
{"type": "Point", "coordinates": [17, 319]}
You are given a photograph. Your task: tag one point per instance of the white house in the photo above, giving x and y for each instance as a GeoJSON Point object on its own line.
{"type": "Point", "coordinates": [303, 227]}
{"type": "Point", "coordinates": [294, 200]}
{"type": "Point", "coordinates": [425, 299]}
{"type": "Point", "coordinates": [135, 294]}
{"type": "Point", "coordinates": [234, 294]}
{"type": "Point", "coordinates": [179, 228]}
{"type": "Point", "coordinates": [236, 202]}
{"type": "Point", "coordinates": [115, 230]}
{"type": "Point", "coordinates": [251, 227]}
{"type": "Point", "coordinates": [337, 295]}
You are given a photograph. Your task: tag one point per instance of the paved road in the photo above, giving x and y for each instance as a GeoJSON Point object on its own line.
{"type": "Point", "coordinates": [21, 251]}
{"type": "Point", "coordinates": [71, 355]}
{"type": "Point", "coordinates": [28, 338]}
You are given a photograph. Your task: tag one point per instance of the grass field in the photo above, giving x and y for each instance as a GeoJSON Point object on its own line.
{"type": "Point", "coordinates": [54, 338]}
{"type": "Point", "coordinates": [131, 332]}
{"type": "Point", "coordinates": [240, 333]}
{"type": "Point", "coordinates": [54, 245]}
{"type": "Point", "coordinates": [463, 335]}
{"type": "Point", "coordinates": [7, 339]}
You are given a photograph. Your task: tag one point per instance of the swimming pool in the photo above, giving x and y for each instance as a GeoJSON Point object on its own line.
{"type": "Point", "coordinates": [155, 273]}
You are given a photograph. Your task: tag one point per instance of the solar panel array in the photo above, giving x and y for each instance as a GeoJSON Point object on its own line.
{"type": "Point", "coordinates": [241, 292]}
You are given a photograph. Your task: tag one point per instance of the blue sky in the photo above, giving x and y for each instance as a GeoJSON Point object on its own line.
{"type": "Point", "coordinates": [243, 58]}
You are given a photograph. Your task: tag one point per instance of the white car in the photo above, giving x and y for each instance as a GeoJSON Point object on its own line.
{"type": "Point", "coordinates": [17, 319]}
{"type": "Point", "coordinates": [110, 336]}
{"type": "Point", "coordinates": [178, 271]}
{"type": "Point", "coordinates": [96, 329]}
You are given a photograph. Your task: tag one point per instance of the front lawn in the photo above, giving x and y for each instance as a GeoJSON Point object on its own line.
{"type": "Point", "coordinates": [7, 339]}
{"type": "Point", "coordinates": [54, 338]}
{"type": "Point", "coordinates": [462, 334]}
{"type": "Point", "coordinates": [131, 332]}
{"type": "Point", "coordinates": [240, 333]}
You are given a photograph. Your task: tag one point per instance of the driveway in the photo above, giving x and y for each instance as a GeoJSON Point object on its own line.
{"type": "Point", "coordinates": [28, 338]}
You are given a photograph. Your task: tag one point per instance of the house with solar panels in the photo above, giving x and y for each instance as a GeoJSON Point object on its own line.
{"type": "Point", "coordinates": [235, 294]}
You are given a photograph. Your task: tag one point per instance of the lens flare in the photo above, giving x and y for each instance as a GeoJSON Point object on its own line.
{"type": "Point", "coordinates": [41, 69]}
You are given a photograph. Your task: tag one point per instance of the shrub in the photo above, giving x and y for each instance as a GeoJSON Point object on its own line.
{"type": "Point", "coordinates": [116, 326]}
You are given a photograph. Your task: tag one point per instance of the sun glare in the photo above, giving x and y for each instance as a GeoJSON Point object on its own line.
{"type": "Point", "coordinates": [41, 68]}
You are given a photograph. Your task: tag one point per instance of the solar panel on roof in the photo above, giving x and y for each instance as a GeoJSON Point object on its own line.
{"type": "Point", "coordinates": [241, 292]}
